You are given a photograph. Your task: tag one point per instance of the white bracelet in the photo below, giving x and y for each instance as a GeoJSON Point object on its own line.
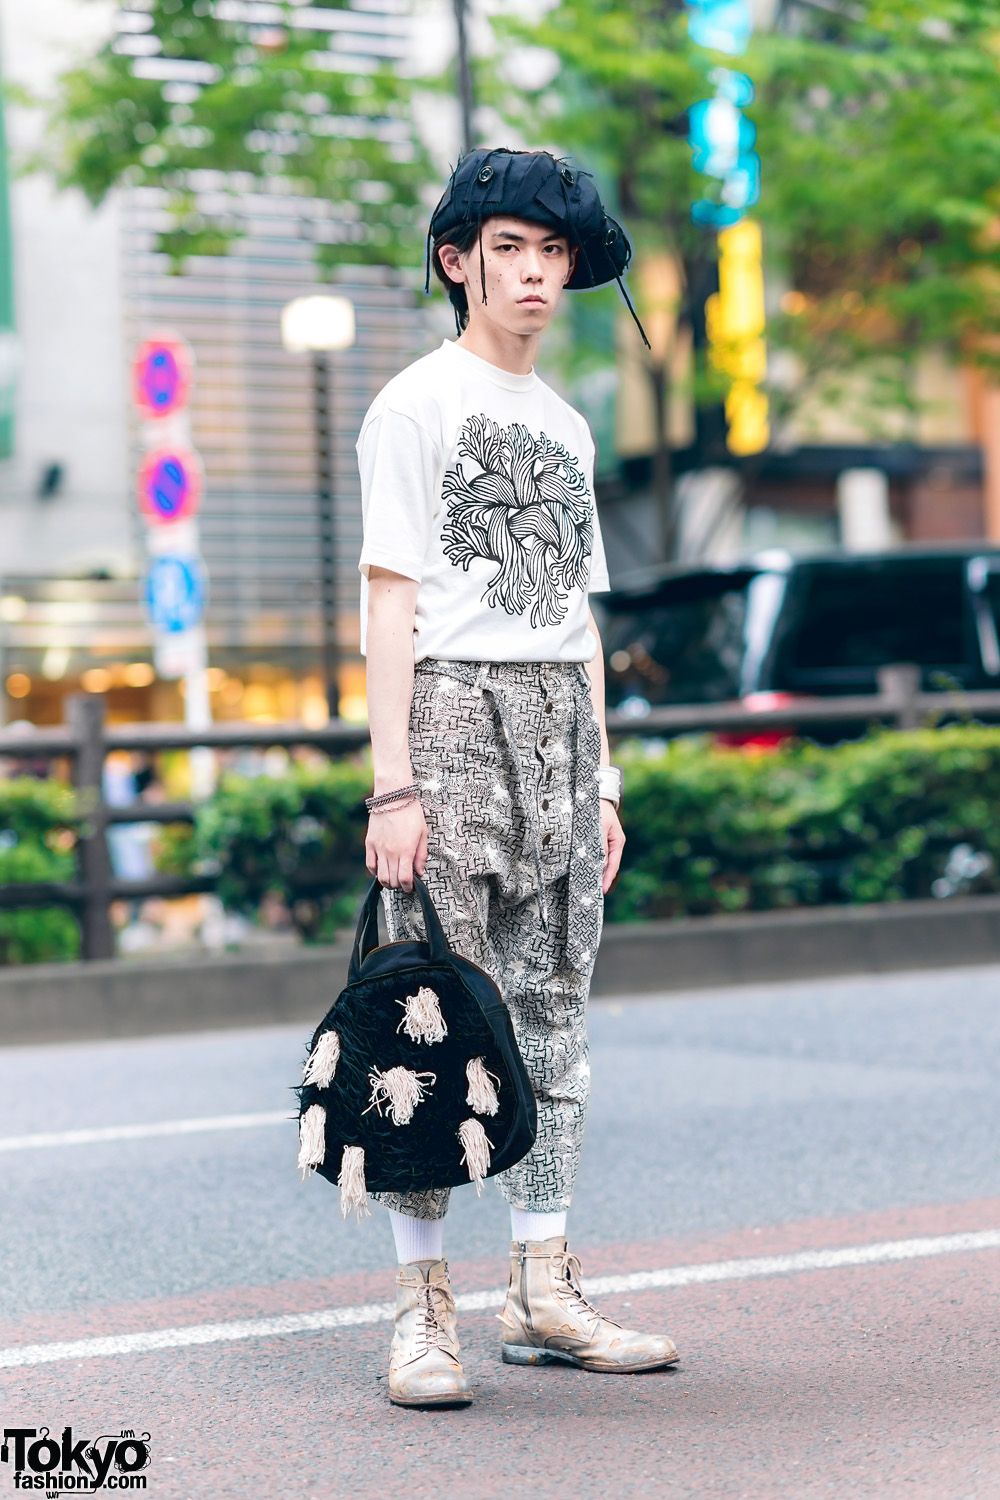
{"type": "Point", "coordinates": [610, 784]}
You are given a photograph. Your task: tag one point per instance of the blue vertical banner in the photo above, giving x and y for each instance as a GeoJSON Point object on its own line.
{"type": "Point", "coordinates": [722, 139]}
{"type": "Point", "coordinates": [722, 142]}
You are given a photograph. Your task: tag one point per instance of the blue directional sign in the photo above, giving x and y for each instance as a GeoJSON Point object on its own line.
{"type": "Point", "coordinates": [174, 592]}
{"type": "Point", "coordinates": [720, 25]}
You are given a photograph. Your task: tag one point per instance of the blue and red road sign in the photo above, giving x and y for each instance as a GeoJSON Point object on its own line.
{"type": "Point", "coordinates": [169, 485]}
{"type": "Point", "coordinates": [161, 376]}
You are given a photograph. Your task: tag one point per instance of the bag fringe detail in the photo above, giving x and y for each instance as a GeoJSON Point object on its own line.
{"type": "Point", "coordinates": [400, 1090]}
{"type": "Point", "coordinates": [483, 1085]}
{"type": "Point", "coordinates": [322, 1061]}
{"type": "Point", "coordinates": [312, 1140]}
{"type": "Point", "coordinates": [423, 1021]}
{"type": "Point", "coordinates": [353, 1192]}
{"type": "Point", "coordinates": [476, 1146]}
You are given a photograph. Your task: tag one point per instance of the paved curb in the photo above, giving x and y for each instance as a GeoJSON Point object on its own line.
{"type": "Point", "coordinates": [700, 952]}
{"type": "Point", "coordinates": [119, 998]}
{"type": "Point", "coordinates": [150, 997]}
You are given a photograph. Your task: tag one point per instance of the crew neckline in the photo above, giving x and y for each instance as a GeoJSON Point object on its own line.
{"type": "Point", "coordinates": [488, 371]}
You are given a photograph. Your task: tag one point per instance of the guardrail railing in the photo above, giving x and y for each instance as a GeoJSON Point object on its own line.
{"type": "Point", "coordinates": [88, 740]}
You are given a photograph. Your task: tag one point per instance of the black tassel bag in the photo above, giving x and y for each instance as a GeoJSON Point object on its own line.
{"type": "Point", "coordinates": [413, 1079]}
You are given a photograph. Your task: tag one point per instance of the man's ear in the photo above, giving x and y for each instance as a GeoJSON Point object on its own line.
{"type": "Point", "coordinates": [451, 263]}
{"type": "Point", "coordinates": [574, 256]}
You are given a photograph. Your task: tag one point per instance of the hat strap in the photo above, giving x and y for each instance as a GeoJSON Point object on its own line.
{"type": "Point", "coordinates": [482, 257]}
{"type": "Point", "coordinates": [628, 303]}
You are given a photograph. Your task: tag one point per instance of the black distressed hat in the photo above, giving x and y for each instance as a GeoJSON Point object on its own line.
{"type": "Point", "coordinates": [537, 186]}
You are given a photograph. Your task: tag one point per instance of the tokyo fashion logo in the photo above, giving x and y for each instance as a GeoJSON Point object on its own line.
{"type": "Point", "coordinates": [58, 1466]}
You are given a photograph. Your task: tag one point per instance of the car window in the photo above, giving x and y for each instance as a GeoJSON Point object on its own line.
{"type": "Point", "coordinates": [686, 650]}
{"type": "Point", "coordinates": [847, 620]}
{"type": "Point", "coordinates": [984, 596]}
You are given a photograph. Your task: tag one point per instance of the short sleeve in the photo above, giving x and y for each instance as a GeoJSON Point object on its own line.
{"type": "Point", "coordinates": [398, 463]}
{"type": "Point", "coordinates": [599, 583]}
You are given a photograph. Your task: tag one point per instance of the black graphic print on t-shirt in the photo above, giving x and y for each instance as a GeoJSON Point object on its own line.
{"type": "Point", "coordinates": [527, 509]}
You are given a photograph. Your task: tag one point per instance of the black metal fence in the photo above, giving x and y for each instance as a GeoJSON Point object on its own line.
{"type": "Point", "coordinates": [88, 740]}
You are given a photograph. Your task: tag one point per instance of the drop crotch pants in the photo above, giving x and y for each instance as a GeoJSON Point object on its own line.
{"type": "Point", "coordinates": [547, 1003]}
{"type": "Point", "coordinates": [486, 850]}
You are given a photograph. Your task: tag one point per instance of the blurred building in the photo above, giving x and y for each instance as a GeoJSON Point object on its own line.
{"type": "Point", "coordinates": [823, 480]}
{"type": "Point", "coordinates": [80, 289]}
{"type": "Point", "coordinates": [88, 287]}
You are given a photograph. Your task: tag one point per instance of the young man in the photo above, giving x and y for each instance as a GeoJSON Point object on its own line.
{"type": "Point", "coordinates": [486, 704]}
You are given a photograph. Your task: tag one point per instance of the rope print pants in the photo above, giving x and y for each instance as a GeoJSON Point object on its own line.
{"type": "Point", "coordinates": [507, 755]}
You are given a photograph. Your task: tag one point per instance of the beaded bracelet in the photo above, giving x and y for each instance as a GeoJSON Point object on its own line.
{"type": "Point", "coordinates": [384, 799]}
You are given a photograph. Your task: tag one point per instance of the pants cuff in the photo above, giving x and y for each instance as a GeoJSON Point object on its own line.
{"type": "Point", "coordinates": [429, 1206]}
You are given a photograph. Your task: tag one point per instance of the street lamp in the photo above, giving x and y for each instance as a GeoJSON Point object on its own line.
{"type": "Point", "coordinates": [321, 325]}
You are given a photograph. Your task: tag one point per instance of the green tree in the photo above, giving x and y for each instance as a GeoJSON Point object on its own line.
{"type": "Point", "coordinates": [879, 138]}
{"type": "Point", "coordinates": [259, 106]}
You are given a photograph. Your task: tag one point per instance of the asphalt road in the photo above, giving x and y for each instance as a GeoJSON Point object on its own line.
{"type": "Point", "coordinates": [779, 1121]}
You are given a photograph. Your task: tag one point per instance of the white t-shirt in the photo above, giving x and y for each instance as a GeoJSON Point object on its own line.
{"type": "Point", "coordinates": [478, 484]}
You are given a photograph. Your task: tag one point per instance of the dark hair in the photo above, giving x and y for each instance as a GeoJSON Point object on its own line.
{"type": "Point", "coordinates": [463, 238]}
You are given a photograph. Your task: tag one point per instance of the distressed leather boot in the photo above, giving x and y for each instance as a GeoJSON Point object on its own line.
{"type": "Point", "coordinates": [424, 1364]}
{"type": "Point", "coordinates": [546, 1317]}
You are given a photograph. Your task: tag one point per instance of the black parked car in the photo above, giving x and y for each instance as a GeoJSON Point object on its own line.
{"type": "Point", "coordinates": [821, 624]}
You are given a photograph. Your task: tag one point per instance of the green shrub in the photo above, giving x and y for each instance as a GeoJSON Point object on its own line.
{"type": "Point", "coordinates": [719, 830]}
{"type": "Point", "coordinates": [709, 830]}
{"type": "Point", "coordinates": [38, 829]}
{"type": "Point", "coordinates": [300, 836]}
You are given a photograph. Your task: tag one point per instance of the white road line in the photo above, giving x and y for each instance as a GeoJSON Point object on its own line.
{"type": "Point", "coordinates": [142, 1132]}
{"type": "Point", "coordinates": [597, 1286]}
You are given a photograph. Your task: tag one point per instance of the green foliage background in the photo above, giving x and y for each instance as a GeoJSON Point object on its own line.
{"type": "Point", "coordinates": [709, 830]}
{"type": "Point", "coordinates": [879, 139]}
{"type": "Point", "coordinates": [299, 836]}
{"type": "Point", "coordinates": [877, 125]}
{"type": "Point", "coordinates": [714, 830]}
{"type": "Point", "coordinates": [38, 824]}
{"type": "Point", "coordinates": [274, 119]}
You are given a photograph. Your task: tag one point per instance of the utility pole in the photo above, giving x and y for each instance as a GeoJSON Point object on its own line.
{"type": "Point", "coordinates": [320, 325]}
{"type": "Point", "coordinates": [465, 99]}
{"type": "Point", "coordinates": [326, 518]}
{"type": "Point", "coordinates": [8, 341]}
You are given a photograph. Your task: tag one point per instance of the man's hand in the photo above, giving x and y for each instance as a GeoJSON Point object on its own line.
{"type": "Point", "coordinates": [614, 843]}
{"type": "Point", "coordinates": [396, 846]}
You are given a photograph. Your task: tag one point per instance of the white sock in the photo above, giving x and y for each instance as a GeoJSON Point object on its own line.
{"type": "Point", "coordinates": [525, 1226]}
{"type": "Point", "coordinates": [416, 1239]}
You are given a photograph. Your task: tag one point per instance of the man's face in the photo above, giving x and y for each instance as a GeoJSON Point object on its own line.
{"type": "Point", "coordinates": [527, 266]}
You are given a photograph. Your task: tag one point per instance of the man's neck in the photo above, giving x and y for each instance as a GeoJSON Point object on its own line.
{"type": "Point", "coordinates": [513, 352]}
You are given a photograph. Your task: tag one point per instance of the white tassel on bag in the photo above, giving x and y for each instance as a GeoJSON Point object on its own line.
{"type": "Point", "coordinates": [401, 1090]}
{"type": "Point", "coordinates": [482, 1095]}
{"type": "Point", "coordinates": [476, 1146]}
{"type": "Point", "coordinates": [322, 1061]}
{"type": "Point", "coordinates": [312, 1140]}
{"type": "Point", "coordinates": [423, 1021]}
{"type": "Point", "coordinates": [353, 1192]}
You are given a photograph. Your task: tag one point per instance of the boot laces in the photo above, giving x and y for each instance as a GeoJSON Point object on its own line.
{"type": "Point", "coordinates": [429, 1331]}
{"type": "Point", "coordinates": [568, 1287]}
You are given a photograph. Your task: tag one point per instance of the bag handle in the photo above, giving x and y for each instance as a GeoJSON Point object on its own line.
{"type": "Point", "coordinates": [366, 936]}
